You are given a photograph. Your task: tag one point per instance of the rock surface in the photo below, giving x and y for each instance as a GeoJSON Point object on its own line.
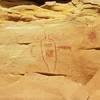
{"type": "Point", "coordinates": [50, 52]}
{"type": "Point", "coordinates": [43, 87]}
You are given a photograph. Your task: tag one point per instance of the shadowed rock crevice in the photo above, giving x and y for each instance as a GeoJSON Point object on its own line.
{"type": "Point", "coordinates": [40, 2]}
{"type": "Point", "coordinates": [24, 43]}
{"type": "Point", "coordinates": [11, 3]}
{"type": "Point", "coordinates": [50, 74]}
{"type": "Point", "coordinates": [97, 48]}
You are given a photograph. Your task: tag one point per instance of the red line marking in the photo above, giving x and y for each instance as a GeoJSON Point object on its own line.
{"type": "Point", "coordinates": [64, 47]}
{"type": "Point", "coordinates": [92, 36]}
{"type": "Point", "coordinates": [43, 55]}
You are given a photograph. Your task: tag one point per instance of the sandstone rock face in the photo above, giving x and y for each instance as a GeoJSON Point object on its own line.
{"type": "Point", "coordinates": [51, 46]}
{"type": "Point", "coordinates": [92, 1]}
{"type": "Point", "coordinates": [39, 87]}
{"type": "Point", "coordinates": [48, 48]}
{"type": "Point", "coordinates": [49, 52]}
{"type": "Point", "coordinates": [88, 1]}
{"type": "Point", "coordinates": [93, 84]}
{"type": "Point", "coordinates": [95, 95]}
{"type": "Point", "coordinates": [12, 3]}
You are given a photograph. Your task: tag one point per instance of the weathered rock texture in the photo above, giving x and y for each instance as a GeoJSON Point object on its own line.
{"type": "Point", "coordinates": [50, 52]}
